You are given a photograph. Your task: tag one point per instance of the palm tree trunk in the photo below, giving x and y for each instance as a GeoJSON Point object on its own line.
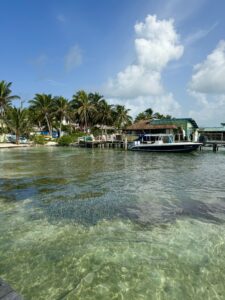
{"type": "Point", "coordinates": [48, 124]}
{"type": "Point", "coordinates": [60, 127]}
{"type": "Point", "coordinates": [85, 121]}
{"type": "Point", "coordinates": [1, 118]}
{"type": "Point", "coordinates": [17, 137]}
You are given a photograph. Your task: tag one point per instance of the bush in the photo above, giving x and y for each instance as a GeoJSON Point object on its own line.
{"type": "Point", "coordinates": [65, 140]}
{"type": "Point", "coordinates": [39, 139]}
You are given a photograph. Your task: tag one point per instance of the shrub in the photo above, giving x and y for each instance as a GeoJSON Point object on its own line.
{"type": "Point", "coordinates": [65, 140]}
{"type": "Point", "coordinates": [39, 139]}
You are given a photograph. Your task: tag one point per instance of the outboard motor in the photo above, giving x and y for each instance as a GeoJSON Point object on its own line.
{"type": "Point", "coordinates": [203, 139]}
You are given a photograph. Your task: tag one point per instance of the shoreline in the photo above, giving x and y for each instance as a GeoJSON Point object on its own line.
{"type": "Point", "coordinates": [12, 145]}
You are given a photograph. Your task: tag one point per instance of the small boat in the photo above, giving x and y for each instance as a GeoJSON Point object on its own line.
{"type": "Point", "coordinates": [161, 143]}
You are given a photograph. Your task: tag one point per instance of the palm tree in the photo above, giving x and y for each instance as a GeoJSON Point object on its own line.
{"type": "Point", "coordinates": [35, 117]}
{"type": "Point", "coordinates": [95, 99]}
{"type": "Point", "coordinates": [83, 107]}
{"type": "Point", "coordinates": [105, 113]}
{"type": "Point", "coordinates": [17, 120]}
{"type": "Point", "coordinates": [121, 117]}
{"type": "Point", "coordinates": [5, 97]}
{"type": "Point", "coordinates": [43, 104]}
{"type": "Point", "coordinates": [146, 115]}
{"type": "Point", "coordinates": [61, 110]}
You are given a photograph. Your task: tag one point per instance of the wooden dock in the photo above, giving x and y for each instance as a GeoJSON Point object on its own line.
{"type": "Point", "coordinates": [104, 144]}
{"type": "Point", "coordinates": [7, 293]}
{"type": "Point", "coordinates": [214, 144]}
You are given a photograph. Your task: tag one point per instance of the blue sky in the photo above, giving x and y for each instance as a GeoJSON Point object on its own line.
{"type": "Point", "coordinates": [168, 55]}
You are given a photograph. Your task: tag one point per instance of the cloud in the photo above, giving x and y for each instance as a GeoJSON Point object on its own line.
{"type": "Point", "coordinates": [133, 82]}
{"type": "Point", "coordinates": [40, 61]}
{"type": "Point", "coordinates": [198, 35]}
{"type": "Point", "coordinates": [73, 58]}
{"type": "Point", "coordinates": [156, 44]}
{"type": "Point", "coordinates": [208, 77]}
{"type": "Point", "coordinates": [208, 88]}
{"type": "Point", "coordinates": [54, 82]}
{"type": "Point", "coordinates": [211, 109]}
{"type": "Point", "coordinates": [180, 10]}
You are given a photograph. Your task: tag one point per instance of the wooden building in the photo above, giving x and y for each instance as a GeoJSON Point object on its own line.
{"type": "Point", "coordinates": [213, 133]}
{"type": "Point", "coordinates": [181, 128]}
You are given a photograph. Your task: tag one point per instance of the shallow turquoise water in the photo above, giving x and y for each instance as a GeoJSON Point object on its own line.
{"type": "Point", "coordinates": [108, 224]}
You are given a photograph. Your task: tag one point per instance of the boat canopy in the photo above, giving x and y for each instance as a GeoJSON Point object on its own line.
{"type": "Point", "coordinates": [157, 134]}
{"type": "Point", "coordinates": [166, 138]}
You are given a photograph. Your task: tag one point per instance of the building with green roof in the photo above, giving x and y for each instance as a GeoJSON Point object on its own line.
{"type": "Point", "coordinates": [213, 133]}
{"type": "Point", "coordinates": [182, 128]}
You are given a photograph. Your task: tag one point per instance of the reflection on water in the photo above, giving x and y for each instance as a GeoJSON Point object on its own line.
{"type": "Point", "coordinates": [107, 224]}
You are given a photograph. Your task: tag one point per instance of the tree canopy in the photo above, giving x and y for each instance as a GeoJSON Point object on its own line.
{"type": "Point", "coordinates": [149, 114]}
{"type": "Point", "coordinates": [51, 112]}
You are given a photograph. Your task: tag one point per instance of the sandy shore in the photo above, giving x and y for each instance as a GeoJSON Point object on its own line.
{"type": "Point", "coordinates": [11, 145]}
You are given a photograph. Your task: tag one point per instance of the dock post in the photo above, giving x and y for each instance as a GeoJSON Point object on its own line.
{"type": "Point", "coordinates": [125, 143]}
{"type": "Point", "coordinates": [215, 147]}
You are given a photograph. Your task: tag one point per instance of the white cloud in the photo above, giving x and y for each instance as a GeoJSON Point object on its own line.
{"type": "Point", "coordinates": [208, 88]}
{"type": "Point", "coordinates": [156, 44]}
{"type": "Point", "coordinates": [198, 35]}
{"type": "Point", "coordinates": [135, 81]}
{"type": "Point", "coordinates": [178, 9]}
{"type": "Point", "coordinates": [209, 75]}
{"type": "Point", "coordinates": [73, 58]}
{"type": "Point", "coordinates": [164, 104]}
{"type": "Point", "coordinates": [55, 83]}
{"type": "Point", "coordinates": [211, 110]}
{"type": "Point", "coordinates": [40, 61]}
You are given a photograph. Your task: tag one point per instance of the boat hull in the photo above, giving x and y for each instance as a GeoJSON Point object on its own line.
{"type": "Point", "coordinates": [174, 147]}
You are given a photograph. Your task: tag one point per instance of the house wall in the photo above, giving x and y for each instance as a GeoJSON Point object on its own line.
{"type": "Point", "coordinates": [214, 135]}
{"type": "Point", "coordinates": [190, 133]}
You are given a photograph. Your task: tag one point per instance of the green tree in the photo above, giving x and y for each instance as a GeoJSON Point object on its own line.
{"type": "Point", "coordinates": [96, 99]}
{"type": "Point", "coordinates": [157, 115]}
{"type": "Point", "coordinates": [5, 98]}
{"type": "Point", "coordinates": [17, 121]}
{"type": "Point", "coordinates": [43, 105]}
{"type": "Point", "coordinates": [84, 108]}
{"type": "Point", "coordinates": [105, 114]}
{"type": "Point", "coordinates": [146, 115]}
{"type": "Point", "coordinates": [62, 110]}
{"type": "Point", "coordinates": [121, 116]}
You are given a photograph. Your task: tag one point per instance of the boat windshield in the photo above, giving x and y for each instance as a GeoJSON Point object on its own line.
{"type": "Point", "coordinates": [152, 138]}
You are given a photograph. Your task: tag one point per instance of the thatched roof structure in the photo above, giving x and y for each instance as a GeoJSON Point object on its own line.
{"type": "Point", "coordinates": [146, 125]}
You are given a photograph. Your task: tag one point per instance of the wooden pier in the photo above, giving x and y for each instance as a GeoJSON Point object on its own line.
{"type": "Point", "coordinates": [7, 293]}
{"type": "Point", "coordinates": [104, 144]}
{"type": "Point", "coordinates": [214, 144]}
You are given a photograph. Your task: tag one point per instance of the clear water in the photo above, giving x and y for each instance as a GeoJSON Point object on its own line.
{"type": "Point", "coordinates": [108, 224]}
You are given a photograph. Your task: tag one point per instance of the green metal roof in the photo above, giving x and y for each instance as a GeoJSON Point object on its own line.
{"type": "Point", "coordinates": [212, 129]}
{"type": "Point", "coordinates": [174, 121]}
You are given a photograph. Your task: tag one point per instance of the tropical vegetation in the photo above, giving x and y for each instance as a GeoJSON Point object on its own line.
{"type": "Point", "coordinates": [84, 112]}
{"type": "Point", "coordinates": [149, 114]}
{"type": "Point", "coordinates": [17, 121]}
{"type": "Point", "coordinates": [5, 99]}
